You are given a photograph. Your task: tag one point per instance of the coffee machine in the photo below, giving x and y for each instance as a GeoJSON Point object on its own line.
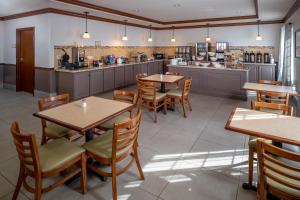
{"type": "Point", "coordinates": [78, 56]}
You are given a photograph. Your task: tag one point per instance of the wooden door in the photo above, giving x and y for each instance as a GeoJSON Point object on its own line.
{"type": "Point", "coordinates": [25, 60]}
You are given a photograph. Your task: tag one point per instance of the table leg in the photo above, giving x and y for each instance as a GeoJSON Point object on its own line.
{"type": "Point", "coordinates": [247, 186]}
{"type": "Point", "coordinates": [163, 88]}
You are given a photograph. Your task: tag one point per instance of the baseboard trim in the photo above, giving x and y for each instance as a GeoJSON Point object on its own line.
{"type": "Point", "coordinates": [42, 94]}
{"type": "Point", "coordinates": [9, 86]}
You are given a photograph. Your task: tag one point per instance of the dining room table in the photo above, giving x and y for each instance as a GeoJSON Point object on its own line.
{"type": "Point", "coordinates": [275, 127]}
{"type": "Point", "coordinates": [259, 87]}
{"type": "Point", "coordinates": [163, 80]}
{"type": "Point", "coordinates": [84, 116]}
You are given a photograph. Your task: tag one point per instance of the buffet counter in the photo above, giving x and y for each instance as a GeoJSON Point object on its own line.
{"type": "Point", "coordinates": [221, 81]}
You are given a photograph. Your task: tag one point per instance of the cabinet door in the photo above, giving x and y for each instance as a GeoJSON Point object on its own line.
{"type": "Point", "coordinates": [137, 69]}
{"type": "Point", "coordinates": [144, 68]}
{"type": "Point", "coordinates": [128, 75]}
{"type": "Point", "coordinates": [81, 85]}
{"type": "Point", "coordinates": [160, 65]}
{"type": "Point", "coordinates": [119, 77]}
{"type": "Point", "coordinates": [108, 79]}
{"type": "Point", "coordinates": [156, 67]}
{"type": "Point", "coordinates": [253, 73]}
{"type": "Point", "coordinates": [267, 72]}
{"type": "Point", "coordinates": [96, 82]}
{"type": "Point", "coordinates": [151, 68]}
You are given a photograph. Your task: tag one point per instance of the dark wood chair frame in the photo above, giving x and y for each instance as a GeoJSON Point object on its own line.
{"type": "Point", "coordinates": [30, 166]}
{"type": "Point", "coordinates": [124, 135]}
{"type": "Point", "coordinates": [255, 105]}
{"type": "Point", "coordinates": [268, 152]}
{"type": "Point", "coordinates": [185, 97]}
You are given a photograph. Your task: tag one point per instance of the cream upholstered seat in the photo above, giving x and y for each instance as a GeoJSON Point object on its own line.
{"type": "Point", "coordinates": [158, 96]}
{"type": "Point", "coordinates": [56, 153]}
{"type": "Point", "coordinates": [102, 146]}
{"type": "Point", "coordinates": [175, 92]}
{"type": "Point", "coordinates": [118, 119]}
{"type": "Point", "coordinates": [55, 131]}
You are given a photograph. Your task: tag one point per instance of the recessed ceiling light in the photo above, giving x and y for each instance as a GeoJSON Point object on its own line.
{"type": "Point", "coordinates": [176, 5]}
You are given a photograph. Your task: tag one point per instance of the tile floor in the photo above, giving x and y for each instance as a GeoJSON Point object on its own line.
{"type": "Point", "coordinates": [193, 158]}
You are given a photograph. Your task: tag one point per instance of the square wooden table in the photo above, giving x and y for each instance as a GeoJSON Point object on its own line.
{"type": "Point", "coordinates": [280, 128]}
{"type": "Point", "coordinates": [83, 119]}
{"type": "Point", "coordinates": [163, 79]}
{"type": "Point", "coordinates": [270, 88]}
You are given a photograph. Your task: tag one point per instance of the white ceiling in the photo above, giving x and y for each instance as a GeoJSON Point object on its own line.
{"type": "Point", "coordinates": [162, 10]}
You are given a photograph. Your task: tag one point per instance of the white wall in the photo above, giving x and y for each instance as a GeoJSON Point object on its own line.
{"type": "Point", "coordinates": [42, 38]}
{"type": "Point", "coordinates": [236, 36]}
{"type": "Point", "coordinates": [1, 42]}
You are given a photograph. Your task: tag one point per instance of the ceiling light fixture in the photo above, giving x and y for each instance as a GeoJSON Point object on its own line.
{"type": "Point", "coordinates": [150, 34]}
{"type": "Point", "coordinates": [173, 35]}
{"type": "Point", "coordinates": [86, 34]}
{"type": "Point", "coordinates": [258, 37]}
{"type": "Point", "coordinates": [207, 39]}
{"type": "Point", "coordinates": [125, 38]}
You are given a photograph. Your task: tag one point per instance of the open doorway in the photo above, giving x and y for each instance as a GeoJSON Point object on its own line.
{"type": "Point", "coordinates": [25, 60]}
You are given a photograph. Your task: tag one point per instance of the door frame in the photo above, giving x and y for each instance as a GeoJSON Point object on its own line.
{"type": "Point", "coordinates": [18, 50]}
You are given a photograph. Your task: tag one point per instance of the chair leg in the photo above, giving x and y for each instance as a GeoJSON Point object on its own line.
{"type": "Point", "coordinates": [190, 105]}
{"type": "Point", "coordinates": [19, 183]}
{"type": "Point", "coordinates": [183, 107]}
{"type": "Point", "coordinates": [155, 113]}
{"type": "Point", "coordinates": [83, 178]}
{"type": "Point", "coordinates": [44, 139]}
{"type": "Point", "coordinates": [38, 188]}
{"type": "Point", "coordinates": [165, 105]}
{"type": "Point", "coordinates": [114, 180]}
{"type": "Point", "coordinates": [136, 157]}
{"type": "Point", "coordinates": [250, 169]}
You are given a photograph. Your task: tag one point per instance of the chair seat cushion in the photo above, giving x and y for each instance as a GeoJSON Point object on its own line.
{"type": "Point", "coordinates": [253, 139]}
{"type": "Point", "coordinates": [279, 186]}
{"type": "Point", "coordinates": [55, 131]}
{"type": "Point", "coordinates": [279, 112]}
{"type": "Point", "coordinates": [158, 96]}
{"type": "Point", "coordinates": [118, 119]}
{"type": "Point", "coordinates": [175, 93]}
{"type": "Point", "coordinates": [102, 146]}
{"type": "Point", "coordinates": [172, 87]}
{"type": "Point", "coordinates": [56, 153]}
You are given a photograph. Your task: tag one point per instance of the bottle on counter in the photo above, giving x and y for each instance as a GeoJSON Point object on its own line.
{"type": "Point", "coordinates": [246, 57]}
{"type": "Point", "coordinates": [267, 58]}
{"type": "Point", "coordinates": [252, 57]}
{"type": "Point", "coordinates": [259, 57]}
{"type": "Point", "coordinates": [272, 60]}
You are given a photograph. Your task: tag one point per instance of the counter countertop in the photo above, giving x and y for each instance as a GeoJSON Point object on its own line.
{"type": "Point", "coordinates": [211, 68]}
{"type": "Point", "coordinates": [261, 64]}
{"type": "Point", "coordinates": [59, 69]}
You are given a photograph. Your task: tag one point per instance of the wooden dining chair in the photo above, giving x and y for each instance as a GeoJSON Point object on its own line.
{"type": "Point", "coordinates": [51, 130]}
{"type": "Point", "coordinates": [272, 97]}
{"type": "Point", "coordinates": [277, 175]}
{"type": "Point", "coordinates": [46, 161]}
{"type": "Point", "coordinates": [123, 96]}
{"type": "Point", "coordinates": [172, 86]}
{"type": "Point", "coordinates": [183, 95]}
{"type": "Point", "coordinates": [266, 107]}
{"type": "Point", "coordinates": [150, 98]}
{"type": "Point", "coordinates": [115, 146]}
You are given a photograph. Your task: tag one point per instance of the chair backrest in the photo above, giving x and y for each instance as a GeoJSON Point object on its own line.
{"type": "Point", "coordinates": [27, 149]}
{"type": "Point", "coordinates": [186, 87]}
{"type": "Point", "coordinates": [272, 169]}
{"type": "Point", "coordinates": [270, 82]}
{"type": "Point", "coordinates": [146, 89]}
{"type": "Point", "coordinates": [273, 97]}
{"type": "Point", "coordinates": [286, 110]}
{"type": "Point", "coordinates": [173, 73]}
{"type": "Point", "coordinates": [51, 102]}
{"type": "Point", "coordinates": [125, 96]}
{"type": "Point", "coordinates": [139, 76]}
{"type": "Point", "coordinates": [125, 136]}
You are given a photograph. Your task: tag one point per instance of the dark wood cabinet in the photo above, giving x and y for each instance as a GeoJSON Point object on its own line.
{"type": "Point", "coordinates": [96, 82]}
{"type": "Point", "coordinates": [119, 77]}
{"type": "Point", "coordinates": [267, 73]}
{"type": "Point", "coordinates": [108, 79]}
{"type": "Point", "coordinates": [261, 72]}
{"type": "Point", "coordinates": [151, 68]}
{"type": "Point", "coordinates": [144, 67]}
{"type": "Point", "coordinates": [137, 69]}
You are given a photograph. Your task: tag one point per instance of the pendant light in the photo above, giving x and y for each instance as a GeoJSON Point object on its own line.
{"type": "Point", "coordinates": [207, 39]}
{"type": "Point", "coordinates": [125, 38]}
{"type": "Point", "coordinates": [86, 34]}
{"type": "Point", "coordinates": [173, 35]}
{"type": "Point", "coordinates": [150, 34]}
{"type": "Point", "coordinates": [258, 37]}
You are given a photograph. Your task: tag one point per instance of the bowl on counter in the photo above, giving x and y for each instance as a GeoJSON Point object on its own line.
{"type": "Point", "coordinates": [204, 64]}
{"type": "Point", "coordinates": [202, 53]}
{"type": "Point", "coordinates": [217, 65]}
{"type": "Point", "coordinates": [212, 54]}
{"type": "Point", "coordinates": [200, 58]}
{"type": "Point", "coordinates": [213, 59]}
